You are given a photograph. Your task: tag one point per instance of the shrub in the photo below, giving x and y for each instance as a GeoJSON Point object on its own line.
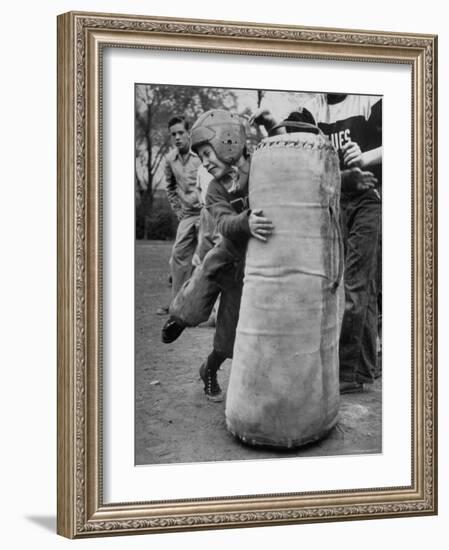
{"type": "Point", "coordinates": [159, 224]}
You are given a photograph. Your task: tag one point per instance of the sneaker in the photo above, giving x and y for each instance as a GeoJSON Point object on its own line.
{"type": "Point", "coordinates": [162, 311]}
{"type": "Point", "coordinates": [211, 388]}
{"type": "Point", "coordinates": [351, 387]}
{"type": "Point", "coordinates": [171, 330]}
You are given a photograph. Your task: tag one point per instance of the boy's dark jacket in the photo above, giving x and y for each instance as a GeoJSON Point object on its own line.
{"type": "Point", "coordinates": [231, 216]}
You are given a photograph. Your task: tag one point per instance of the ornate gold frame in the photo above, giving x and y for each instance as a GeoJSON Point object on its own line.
{"type": "Point", "coordinates": [81, 37]}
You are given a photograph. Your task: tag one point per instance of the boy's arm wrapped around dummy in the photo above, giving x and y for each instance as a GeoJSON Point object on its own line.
{"type": "Point", "coordinates": [229, 223]}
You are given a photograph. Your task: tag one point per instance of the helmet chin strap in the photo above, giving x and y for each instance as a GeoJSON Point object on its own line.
{"type": "Point", "coordinates": [234, 177]}
{"type": "Point", "coordinates": [238, 174]}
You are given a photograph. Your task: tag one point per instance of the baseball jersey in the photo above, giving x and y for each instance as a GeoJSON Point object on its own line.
{"type": "Point", "coordinates": [356, 118]}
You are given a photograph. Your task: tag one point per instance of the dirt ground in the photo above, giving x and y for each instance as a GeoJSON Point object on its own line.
{"type": "Point", "coordinates": [174, 423]}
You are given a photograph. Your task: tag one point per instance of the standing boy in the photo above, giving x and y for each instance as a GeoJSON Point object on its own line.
{"type": "Point", "coordinates": [181, 169]}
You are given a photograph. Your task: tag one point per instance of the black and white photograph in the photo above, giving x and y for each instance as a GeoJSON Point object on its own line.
{"type": "Point", "coordinates": [242, 349]}
{"type": "Point", "coordinates": [258, 274]}
{"type": "Point", "coordinates": [247, 337]}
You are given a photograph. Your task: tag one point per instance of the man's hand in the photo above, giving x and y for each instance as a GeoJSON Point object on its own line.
{"type": "Point", "coordinates": [352, 155]}
{"type": "Point", "coordinates": [354, 181]}
{"type": "Point", "coordinates": [261, 228]}
{"type": "Point", "coordinates": [263, 117]}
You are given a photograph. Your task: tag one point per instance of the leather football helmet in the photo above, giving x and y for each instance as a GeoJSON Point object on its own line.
{"type": "Point", "coordinates": [223, 131]}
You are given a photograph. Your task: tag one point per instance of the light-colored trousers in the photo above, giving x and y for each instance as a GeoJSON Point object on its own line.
{"type": "Point", "coordinates": [184, 247]}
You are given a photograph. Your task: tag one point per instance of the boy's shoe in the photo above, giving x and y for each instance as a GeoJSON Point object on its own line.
{"type": "Point", "coordinates": [171, 330]}
{"type": "Point", "coordinates": [162, 311]}
{"type": "Point", "coordinates": [211, 388]}
{"type": "Point", "coordinates": [351, 387]}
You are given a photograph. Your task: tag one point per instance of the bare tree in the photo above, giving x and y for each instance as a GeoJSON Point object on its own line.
{"type": "Point", "coordinates": [155, 105]}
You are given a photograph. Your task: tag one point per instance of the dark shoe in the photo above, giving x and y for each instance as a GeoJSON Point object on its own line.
{"type": "Point", "coordinates": [351, 387]}
{"type": "Point", "coordinates": [162, 311]}
{"type": "Point", "coordinates": [211, 388]}
{"type": "Point", "coordinates": [171, 330]}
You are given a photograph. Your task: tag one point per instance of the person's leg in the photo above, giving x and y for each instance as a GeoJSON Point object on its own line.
{"type": "Point", "coordinates": [378, 372]}
{"type": "Point", "coordinates": [195, 301]}
{"type": "Point", "coordinates": [192, 305]}
{"type": "Point", "coordinates": [182, 252]}
{"type": "Point", "coordinates": [228, 316]}
{"type": "Point", "coordinates": [230, 280]}
{"type": "Point", "coordinates": [369, 356]}
{"type": "Point", "coordinates": [208, 374]}
{"type": "Point", "coordinates": [359, 330]}
{"type": "Point", "coordinates": [223, 346]}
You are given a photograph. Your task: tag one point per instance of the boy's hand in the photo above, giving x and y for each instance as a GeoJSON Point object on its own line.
{"type": "Point", "coordinates": [261, 228]}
